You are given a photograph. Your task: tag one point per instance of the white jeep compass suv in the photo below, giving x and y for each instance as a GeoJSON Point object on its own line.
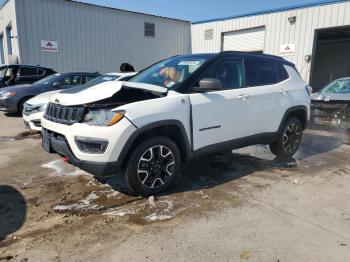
{"type": "Point", "coordinates": [176, 109]}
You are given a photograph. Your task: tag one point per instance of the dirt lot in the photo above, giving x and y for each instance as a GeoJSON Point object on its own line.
{"type": "Point", "coordinates": [243, 206]}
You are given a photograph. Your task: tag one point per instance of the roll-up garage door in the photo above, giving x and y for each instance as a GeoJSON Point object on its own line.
{"type": "Point", "coordinates": [248, 40]}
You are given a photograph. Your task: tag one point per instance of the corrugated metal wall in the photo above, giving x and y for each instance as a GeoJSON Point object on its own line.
{"type": "Point", "coordinates": [94, 38]}
{"type": "Point", "coordinates": [8, 17]}
{"type": "Point", "coordinates": [278, 30]}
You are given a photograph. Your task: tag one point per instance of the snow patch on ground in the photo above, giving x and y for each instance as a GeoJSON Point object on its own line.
{"type": "Point", "coordinates": [82, 204]}
{"type": "Point", "coordinates": [157, 217]}
{"type": "Point", "coordinates": [120, 212]}
{"type": "Point", "coordinates": [55, 165]}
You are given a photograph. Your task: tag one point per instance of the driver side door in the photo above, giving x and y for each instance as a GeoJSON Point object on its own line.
{"type": "Point", "coordinates": [225, 115]}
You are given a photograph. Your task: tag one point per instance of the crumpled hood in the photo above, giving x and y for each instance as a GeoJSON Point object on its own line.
{"type": "Point", "coordinates": [43, 98]}
{"type": "Point", "coordinates": [330, 97]}
{"type": "Point", "coordinates": [100, 92]}
{"type": "Point", "coordinates": [14, 88]}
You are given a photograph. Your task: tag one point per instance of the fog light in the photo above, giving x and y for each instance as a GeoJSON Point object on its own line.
{"type": "Point", "coordinates": [91, 145]}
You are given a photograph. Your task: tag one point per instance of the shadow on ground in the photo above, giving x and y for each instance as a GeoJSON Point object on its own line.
{"type": "Point", "coordinates": [13, 210]}
{"type": "Point", "coordinates": [217, 169]}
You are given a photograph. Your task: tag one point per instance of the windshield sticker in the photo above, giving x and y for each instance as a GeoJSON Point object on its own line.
{"type": "Point", "coordinates": [108, 78]}
{"type": "Point", "coordinates": [170, 84]}
{"type": "Point", "coordinates": [189, 63]}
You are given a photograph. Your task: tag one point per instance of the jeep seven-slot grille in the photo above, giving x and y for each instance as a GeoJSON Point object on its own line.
{"type": "Point", "coordinates": [64, 114]}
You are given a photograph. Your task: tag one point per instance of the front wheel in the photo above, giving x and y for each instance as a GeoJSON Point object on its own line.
{"type": "Point", "coordinates": [289, 139]}
{"type": "Point", "coordinates": [153, 166]}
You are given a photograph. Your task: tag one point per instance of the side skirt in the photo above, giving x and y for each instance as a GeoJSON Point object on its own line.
{"type": "Point", "coordinates": [263, 139]}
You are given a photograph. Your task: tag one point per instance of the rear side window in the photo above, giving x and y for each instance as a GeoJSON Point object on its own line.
{"type": "Point", "coordinates": [41, 72]}
{"type": "Point", "coordinates": [281, 72]}
{"type": "Point", "coordinates": [28, 71]}
{"type": "Point", "coordinates": [259, 73]}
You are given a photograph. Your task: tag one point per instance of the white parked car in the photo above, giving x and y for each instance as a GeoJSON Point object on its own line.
{"type": "Point", "coordinates": [175, 110]}
{"type": "Point", "coordinates": [34, 108]}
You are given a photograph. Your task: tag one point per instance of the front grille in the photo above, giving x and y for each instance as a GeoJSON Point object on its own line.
{"type": "Point", "coordinates": [67, 115]}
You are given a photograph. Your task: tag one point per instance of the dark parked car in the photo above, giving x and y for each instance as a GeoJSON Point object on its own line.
{"type": "Point", "coordinates": [331, 105]}
{"type": "Point", "coordinates": [12, 98]}
{"type": "Point", "coordinates": [22, 74]}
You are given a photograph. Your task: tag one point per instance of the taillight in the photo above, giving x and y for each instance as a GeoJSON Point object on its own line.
{"type": "Point", "coordinates": [309, 89]}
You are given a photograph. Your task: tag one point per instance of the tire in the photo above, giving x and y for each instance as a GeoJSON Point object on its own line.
{"type": "Point", "coordinates": [288, 140]}
{"type": "Point", "coordinates": [153, 166]}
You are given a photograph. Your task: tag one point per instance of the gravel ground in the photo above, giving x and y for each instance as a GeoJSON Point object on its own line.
{"type": "Point", "coordinates": [243, 206]}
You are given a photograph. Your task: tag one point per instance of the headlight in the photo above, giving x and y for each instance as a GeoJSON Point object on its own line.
{"type": "Point", "coordinates": [7, 95]}
{"type": "Point", "coordinates": [103, 117]}
{"type": "Point", "coordinates": [31, 109]}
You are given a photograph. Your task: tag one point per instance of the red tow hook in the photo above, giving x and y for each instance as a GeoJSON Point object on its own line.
{"type": "Point", "coordinates": [65, 159]}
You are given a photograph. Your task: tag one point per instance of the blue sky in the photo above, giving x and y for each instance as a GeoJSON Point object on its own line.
{"type": "Point", "coordinates": [195, 10]}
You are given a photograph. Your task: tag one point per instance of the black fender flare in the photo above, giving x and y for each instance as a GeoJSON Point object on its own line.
{"type": "Point", "coordinates": [163, 123]}
{"type": "Point", "coordinates": [288, 112]}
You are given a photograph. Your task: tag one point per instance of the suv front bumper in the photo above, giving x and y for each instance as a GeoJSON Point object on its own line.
{"type": "Point", "coordinates": [54, 143]}
{"type": "Point", "coordinates": [61, 139]}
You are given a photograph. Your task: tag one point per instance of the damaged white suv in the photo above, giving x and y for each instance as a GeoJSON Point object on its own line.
{"type": "Point", "coordinates": [179, 108]}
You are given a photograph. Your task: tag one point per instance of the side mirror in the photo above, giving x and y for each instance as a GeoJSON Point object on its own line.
{"type": "Point", "coordinates": [209, 84]}
{"type": "Point", "coordinates": [57, 84]}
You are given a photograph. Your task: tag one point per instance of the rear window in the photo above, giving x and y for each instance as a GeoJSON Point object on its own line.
{"type": "Point", "coordinates": [259, 73]}
{"type": "Point", "coordinates": [281, 72]}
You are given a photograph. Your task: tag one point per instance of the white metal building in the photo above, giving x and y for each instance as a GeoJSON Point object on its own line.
{"type": "Point", "coordinates": [68, 35]}
{"type": "Point", "coordinates": [315, 37]}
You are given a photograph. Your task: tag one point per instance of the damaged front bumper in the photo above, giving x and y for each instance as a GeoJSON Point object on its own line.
{"type": "Point", "coordinates": [332, 114]}
{"type": "Point", "coordinates": [56, 143]}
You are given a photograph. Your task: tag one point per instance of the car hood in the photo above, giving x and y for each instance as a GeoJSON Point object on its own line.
{"type": "Point", "coordinates": [100, 92]}
{"type": "Point", "coordinates": [330, 97]}
{"type": "Point", "coordinates": [43, 98]}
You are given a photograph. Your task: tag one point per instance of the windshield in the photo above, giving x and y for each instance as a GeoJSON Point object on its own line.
{"type": "Point", "coordinates": [96, 81]}
{"type": "Point", "coordinates": [47, 80]}
{"type": "Point", "coordinates": [338, 86]}
{"type": "Point", "coordinates": [2, 71]}
{"type": "Point", "coordinates": [171, 72]}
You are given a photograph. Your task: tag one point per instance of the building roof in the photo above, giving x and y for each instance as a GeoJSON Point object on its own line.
{"type": "Point", "coordinates": [114, 8]}
{"type": "Point", "coordinates": [276, 10]}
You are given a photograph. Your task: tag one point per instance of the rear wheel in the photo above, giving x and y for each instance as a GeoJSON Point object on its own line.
{"type": "Point", "coordinates": [289, 139]}
{"type": "Point", "coordinates": [153, 166]}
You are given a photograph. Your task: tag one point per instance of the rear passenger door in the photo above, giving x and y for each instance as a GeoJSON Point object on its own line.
{"type": "Point", "coordinates": [266, 94]}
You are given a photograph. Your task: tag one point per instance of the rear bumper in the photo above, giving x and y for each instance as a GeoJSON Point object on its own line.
{"type": "Point", "coordinates": [59, 145]}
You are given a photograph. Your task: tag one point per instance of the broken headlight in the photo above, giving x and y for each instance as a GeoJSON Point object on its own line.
{"type": "Point", "coordinates": [102, 117]}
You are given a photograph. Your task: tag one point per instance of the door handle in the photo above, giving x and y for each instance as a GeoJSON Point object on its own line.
{"type": "Point", "coordinates": [243, 96]}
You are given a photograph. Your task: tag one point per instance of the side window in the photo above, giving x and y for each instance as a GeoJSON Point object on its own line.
{"type": "Point", "coordinates": [281, 72]}
{"type": "Point", "coordinates": [70, 80]}
{"type": "Point", "coordinates": [259, 73]}
{"type": "Point", "coordinates": [87, 78]}
{"type": "Point", "coordinates": [41, 72]}
{"type": "Point", "coordinates": [28, 71]}
{"type": "Point", "coordinates": [229, 72]}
